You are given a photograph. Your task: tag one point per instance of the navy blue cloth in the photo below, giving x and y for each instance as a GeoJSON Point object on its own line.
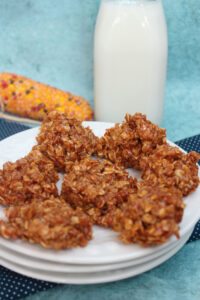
{"type": "Point", "coordinates": [8, 128]}
{"type": "Point", "coordinates": [14, 286]}
{"type": "Point", "coordinates": [192, 144]}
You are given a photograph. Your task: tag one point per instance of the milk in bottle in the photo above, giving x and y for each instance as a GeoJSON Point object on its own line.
{"type": "Point", "coordinates": [130, 59]}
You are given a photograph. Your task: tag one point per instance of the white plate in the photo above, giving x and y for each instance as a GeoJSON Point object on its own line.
{"type": "Point", "coordinates": [105, 247]}
{"type": "Point", "coordinates": [92, 278]}
{"type": "Point", "coordinates": [40, 264]}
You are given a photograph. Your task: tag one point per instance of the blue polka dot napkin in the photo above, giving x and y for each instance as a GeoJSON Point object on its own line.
{"type": "Point", "coordinates": [14, 286]}
{"type": "Point", "coordinates": [192, 144]}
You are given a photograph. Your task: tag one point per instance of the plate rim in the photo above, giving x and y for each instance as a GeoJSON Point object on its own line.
{"type": "Point", "coordinates": [115, 275]}
{"type": "Point", "coordinates": [19, 247]}
{"type": "Point", "coordinates": [31, 262]}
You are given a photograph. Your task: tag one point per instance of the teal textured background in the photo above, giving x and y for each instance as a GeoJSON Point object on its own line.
{"type": "Point", "coordinates": [173, 280]}
{"type": "Point", "coordinates": [52, 42]}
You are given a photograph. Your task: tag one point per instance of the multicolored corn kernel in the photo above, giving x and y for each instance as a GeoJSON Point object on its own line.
{"type": "Point", "coordinates": [28, 98]}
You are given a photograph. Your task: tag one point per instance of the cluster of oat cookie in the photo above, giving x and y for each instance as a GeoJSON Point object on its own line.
{"type": "Point", "coordinates": [96, 188]}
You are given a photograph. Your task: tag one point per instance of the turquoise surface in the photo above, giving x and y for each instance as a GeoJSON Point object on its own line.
{"type": "Point", "coordinates": [52, 42]}
{"type": "Point", "coordinates": [176, 279]}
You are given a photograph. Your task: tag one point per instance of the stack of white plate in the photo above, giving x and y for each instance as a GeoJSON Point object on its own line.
{"type": "Point", "coordinates": [105, 258]}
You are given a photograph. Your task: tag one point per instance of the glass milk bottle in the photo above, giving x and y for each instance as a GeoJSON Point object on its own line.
{"type": "Point", "coordinates": [130, 59]}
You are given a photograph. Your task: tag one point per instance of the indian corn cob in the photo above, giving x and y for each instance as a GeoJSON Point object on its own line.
{"type": "Point", "coordinates": [28, 98]}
